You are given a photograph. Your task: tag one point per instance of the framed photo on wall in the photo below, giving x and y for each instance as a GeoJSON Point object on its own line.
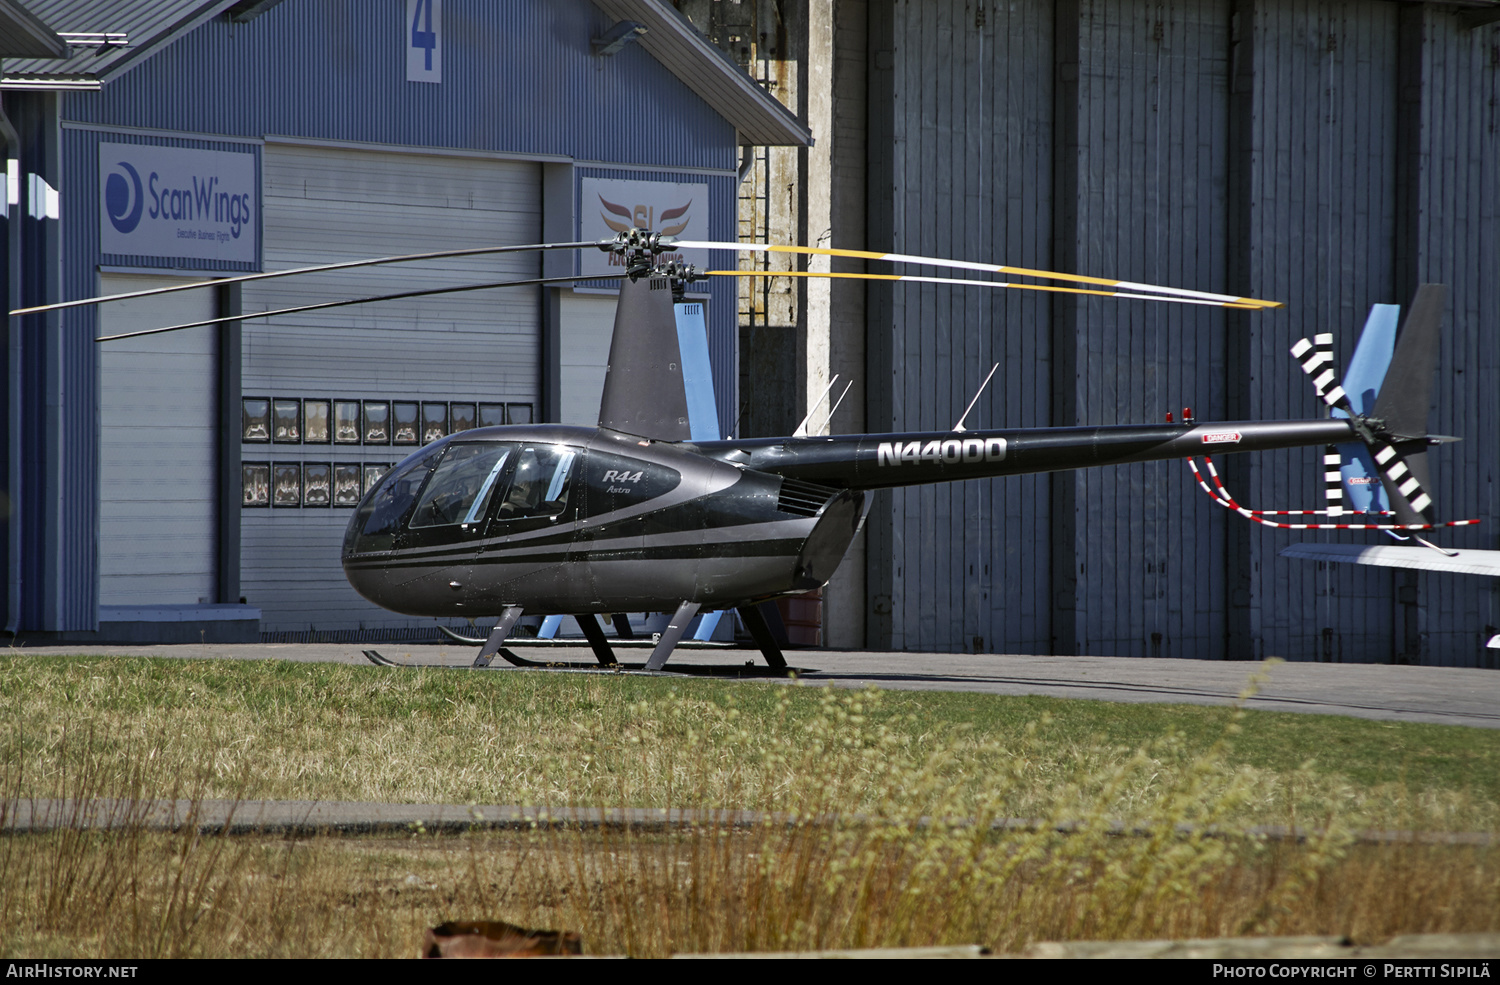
{"type": "Point", "coordinates": [374, 473]}
{"type": "Point", "coordinates": [346, 422]}
{"type": "Point", "coordinates": [317, 484]}
{"type": "Point", "coordinates": [377, 422]}
{"type": "Point", "coordinates": [286, 420]}
{"type": "Point", "coordinates": [404, 422]}
{"type": "Point", "coordinates": [346, 484]}
{"type": "Point", "coordinates": [286, 484]}
{"type": "Point", "coordinates": [434, 421]}
{"type": "Point", "coordinates": [315, 423]}
{"type": "Point", "coordinates": [255, 419]}
{"type": "Point", "coordinates": [491, 415]}
{"type": "Point", "coordinates": [255, 484]}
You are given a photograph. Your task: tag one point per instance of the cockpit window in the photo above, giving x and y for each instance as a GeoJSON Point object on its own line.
{"type": "Point", "coordinates": [377, 523]}
{"type": "Point", "coordinates": [452, 492]}
{"type": "Point", "coordinates": [540, 484]}
{"type": "Point", "coordinates": [460, 489]}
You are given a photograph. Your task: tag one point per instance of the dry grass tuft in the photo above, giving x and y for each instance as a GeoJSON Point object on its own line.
{"type": "Point", "coordinates": [876, 833]}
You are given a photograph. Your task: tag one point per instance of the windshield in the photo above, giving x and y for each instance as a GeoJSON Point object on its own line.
{"type": "Point", "coordinates": [377, 523]}
{"type": "Point", "coordinates": [461, 486]}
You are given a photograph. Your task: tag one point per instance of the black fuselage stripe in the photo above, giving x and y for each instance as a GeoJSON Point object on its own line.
{"type": "Point", "coordinates": [677, 552]}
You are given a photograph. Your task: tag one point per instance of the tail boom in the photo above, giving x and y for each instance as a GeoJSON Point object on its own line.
{"type": "Point", "coordinates": [881, 461]}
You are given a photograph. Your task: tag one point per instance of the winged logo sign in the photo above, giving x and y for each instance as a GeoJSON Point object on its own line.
{"type": "Point", "coordinates": [608, 206]}
{"type": "Point", "coordinates": [641, 217]}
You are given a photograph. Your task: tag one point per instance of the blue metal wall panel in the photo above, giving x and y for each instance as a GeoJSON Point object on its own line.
{"type": "Point", "coordinates": [964, 566]}
{"type": "Point", "coordinates": [1332, 145]}
{"type": "Point", "coordinates": [518, 77]}
{"type": "Point", "coordinates": [1458, 244]}
{"type": "Point", "coordinates": [57, 425]}
{"type": "Point", "coordinates": [1323, 242]}
{"type": "Point", "coordinates": [1151, 208]}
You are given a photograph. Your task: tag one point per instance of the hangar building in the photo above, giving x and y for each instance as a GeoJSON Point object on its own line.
{"type": "Point", "coordinates": [1330, 154]}
{"type": "Point", "coordinates": [195, 485]}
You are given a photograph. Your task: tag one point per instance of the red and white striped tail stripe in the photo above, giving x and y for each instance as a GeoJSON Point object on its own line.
{"type": "Point", "coordinates": [1219, 494]}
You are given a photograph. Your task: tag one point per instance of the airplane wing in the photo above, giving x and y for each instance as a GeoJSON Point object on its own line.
{"type": "Point", "coordinates": [1465, 562]}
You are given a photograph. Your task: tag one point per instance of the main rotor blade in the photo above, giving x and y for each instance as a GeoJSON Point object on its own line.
{"type": "Point", "coordinates": [979, 283]}
{"type": "Point", "coordinates": [346, 265]}
{"type": "Point", "coordinates": [1123, 285]}
{"type": "Point", "coordinates": [249, 315]}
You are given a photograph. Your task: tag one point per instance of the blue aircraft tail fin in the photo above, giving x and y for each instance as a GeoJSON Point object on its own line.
{"type": "Point", "coordinates": [1372, 357]}
{"type": "Point", "coordinates": [697, 373]}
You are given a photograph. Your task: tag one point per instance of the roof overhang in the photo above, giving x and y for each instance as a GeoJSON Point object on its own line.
{"type": "Point", "coordinates": [24, 35]}
{"type": "Point", "coordinates": [103, 39]}
{"type": "Point", "coordinates": [671, 39]}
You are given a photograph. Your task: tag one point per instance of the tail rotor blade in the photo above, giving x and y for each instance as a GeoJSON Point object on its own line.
{"type": "Point", "coordinates": [1404, 474]}
{"type": "Point", "coordinates": [1403, 405]}
{"type": "Point", "coordinates": [1316, 359]}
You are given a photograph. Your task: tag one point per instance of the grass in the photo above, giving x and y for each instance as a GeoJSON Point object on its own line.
{"type": "Point", "coordinates": [892, 795]}
{"type": "Point", "coordinates": [330, 732]}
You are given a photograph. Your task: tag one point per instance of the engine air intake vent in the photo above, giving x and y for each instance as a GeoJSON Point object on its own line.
{"type": "Point", "coordinates": [803, 498]}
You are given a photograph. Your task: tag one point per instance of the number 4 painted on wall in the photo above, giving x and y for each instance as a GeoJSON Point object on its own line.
{"type": "Point", "coordinates": [424, 61]}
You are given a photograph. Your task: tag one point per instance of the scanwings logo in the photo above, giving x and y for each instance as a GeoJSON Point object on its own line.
{"type": "Point", "coordinates": [645, 217]}
{"type": "Point", "coordinates": [123, 199]}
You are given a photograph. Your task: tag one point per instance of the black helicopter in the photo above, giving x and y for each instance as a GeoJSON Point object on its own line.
{"type": "Point", "coordinates": [635, 515]}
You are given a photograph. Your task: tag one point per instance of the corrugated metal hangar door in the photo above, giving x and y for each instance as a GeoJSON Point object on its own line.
{"type": "Point", "coordinates": [587, 324]}
{"type": "Point", "coordinates": [345, 378]}
{"type": "Point", "coordinates": [158, 447]}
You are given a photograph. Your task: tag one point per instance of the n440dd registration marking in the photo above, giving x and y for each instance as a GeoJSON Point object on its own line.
{"type": "Point", "coordinates": [950, 452]}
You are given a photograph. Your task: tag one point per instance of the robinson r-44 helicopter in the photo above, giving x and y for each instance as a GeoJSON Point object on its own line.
{"type": "Point", "coordinates": [638, 515]}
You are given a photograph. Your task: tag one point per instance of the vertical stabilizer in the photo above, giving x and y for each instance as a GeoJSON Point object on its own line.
{"type": "Point", "coordinates": [1362, 383]}
{"type": "Point", "coordinates": [644, 390]}
{"type": "Point", "coordinates": [1403, 405]}
{"type": "Point", "coordinates": [1406, 395]}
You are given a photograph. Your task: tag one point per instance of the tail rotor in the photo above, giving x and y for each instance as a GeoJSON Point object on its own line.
{"type": "Point", "coordinates": [1393, 432]}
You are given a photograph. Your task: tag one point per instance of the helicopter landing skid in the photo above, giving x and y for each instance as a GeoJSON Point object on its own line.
{"type": "Point", "coordinates": [748, 669]}
{"type": "Point", "coordinates": [767, 640]}
{"type": "Point", "coordinates": [460, 638]}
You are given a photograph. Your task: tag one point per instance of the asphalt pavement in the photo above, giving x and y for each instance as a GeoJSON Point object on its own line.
{"type": "Point", "coordinates": [1443, 695]}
